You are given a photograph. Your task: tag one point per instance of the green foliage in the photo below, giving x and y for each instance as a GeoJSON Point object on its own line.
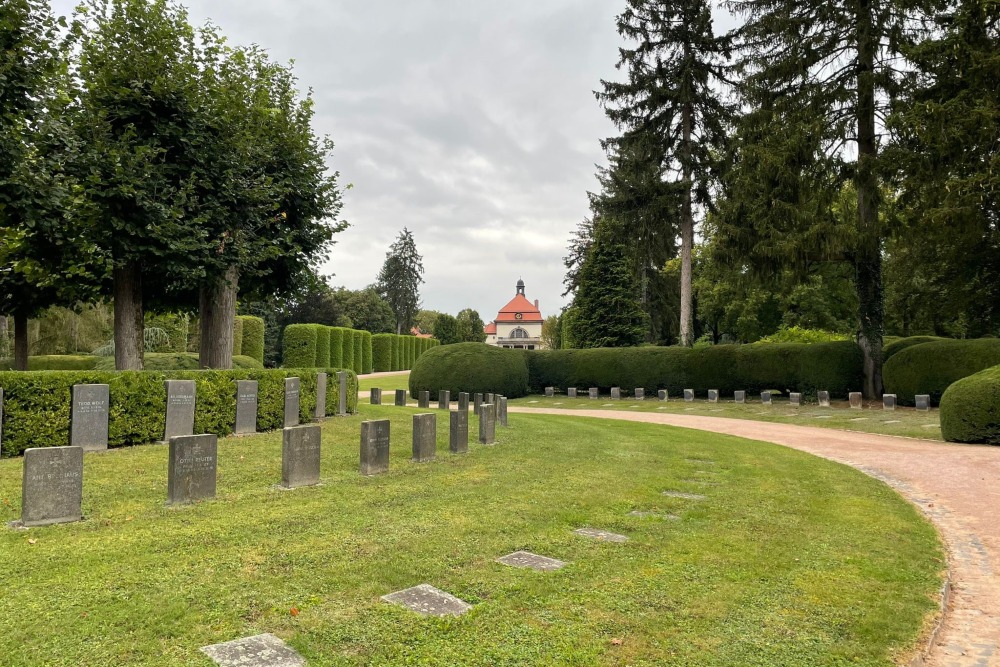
{"type": "Point", "coordinates": [382, 345]}
{"type": "Point", "coordinates": [367, 361]}
{"type": "Point", "coordinates": [322, 346]}
{"type": "Point", "coordinates": [411, 351]}
{"type": "Point", "coordinates": [446, 329]}
{"type": "Point", "coordinates": [359, 354]}
{"type": "Point", "coordinates": [175, 326]}
{"type": "Point", "coordinates": [470, 367]}
{"type": "Point", "coordinates": [970, 409]}
{"type": "Point", "coordinates": [337, 347]}
{"type": "Point", "coordinates": [930, 368]}
{"type": "Point", "coordinates": [299, 346]}
{"type": "Point", "coordinates": [348, 356]}
{"type": "Point", "coordinates": [237, 336]}
{"type": "Point", "coordinates": [175, 361]}
{"type": "Point", "coordinates": [802, 335]}
{"type": "Point", "coordinates": [899, 344]}
{"type": "Point", "coordinates": [54, 362]}
{"type": "Point", "coordinates": [397, 353]}
{"type": "Point", "coordinates": [366, 310]}
{"type": "Point", "coordinates": [470, 326]}
{"type": "Point", "coordinates": [400, 279]}
{"type": "Point", "coordinates": [253, 337]}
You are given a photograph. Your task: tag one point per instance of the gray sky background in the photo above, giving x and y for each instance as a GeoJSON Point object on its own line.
{"type": "Point", "coordinates": [471, 123]}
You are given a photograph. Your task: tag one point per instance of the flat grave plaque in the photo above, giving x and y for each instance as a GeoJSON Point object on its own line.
{"type": "Point", "coordinates": [550, 392]}
{"type": "Point", "coordinates": [795, 399]}
{"type": "Point", "coordinates": [458, 435]}
{"type": "Point", "coordinates": [89, 420]}
{"type": "Point", "coordinates": [684, 496]}
{"type": "Point", "coordinates": [856, 401]}
{"type": "Point", "coordinates": [463, 401]}
{"type": "Point", "coordinates": [342, 394]}
{"type": "Point", "coordinates": [923, 402]}
{"type": "Point", "coordinates": [888, 401]}
{"type": "Point", "coordinates": [663, 395]}
{"type": "Point", "coordinates": [320, 412]}
{"type": "Point", "coordinates": [571, 392]}
{"type": "Point", "coordinates": [300, 456]}
{"type": "Point", "coordinates": [595, 393]}
{"type": "Point", "coordinates": [740, 396]}
{"type": "Point", "coordinates": [603, 535]}
{"type": "Point", "coordinates": [374, 447]}
{"type": "Point", "coordinates": [713, 395]}
{"type": "Point", "coordinates": [424, 400]}
{"type": "Point", "coordinates": [376, 396]}
{"type": "Point", "coordinates": [640, 394]}
{"type": "Point", "coordinates": [191, 468]}
{"type": "Point", "coordinates": [429, 601]}
{"type": "Point", "coordinates": [424, 438]}
{"type": "Point", "coordinates": [823, 397]}
{"type": "Point", "coordinates": [616, 394]}
{"type": "Point", "coordinates": [246, 407]}
{"type": "Point", "coordinates": [689, 395]}
{"type": "Point", "coordinates": [180, 408]}
{"type": "Point", "coordinates": [401, 398]}
{"type": "Point", "coordinates": [52, 486]}
{"type": "Point", "coordinates": [292, 389]}
{"type": "Point", "coordinates": [765, 397]}
{"type": "Point", "coordinates": [444, 399]}
{"type": "Point", "coordinates": [487, 425]}
{"type": "Point", "coordinates": [531, 561]}
{"type": "Point", "coordinates": [259, 651]}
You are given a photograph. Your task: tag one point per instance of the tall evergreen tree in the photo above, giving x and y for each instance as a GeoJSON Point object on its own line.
{"type": "Point", "coordinates": [400, 279]}
{"type": "Point", "coordinates": [671, 109]}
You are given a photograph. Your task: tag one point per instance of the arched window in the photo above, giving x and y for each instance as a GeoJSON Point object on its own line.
{"type": "Point", "coordinates": [519, 333]}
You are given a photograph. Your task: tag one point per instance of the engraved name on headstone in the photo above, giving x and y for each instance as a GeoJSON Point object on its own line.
{"type": "Point", "coordinates": [616, 394]}
{"type": "Point", "coordinates": [246, 406]}
{"type": "Point", "coordinates": [320, 412]}
{"type": "Point", "coordinates": [342, 394]}
{"type": "Point", "coordinates": [428, 601]}
{"type": "Point", "coordinates": [888, 401]}
{"type": "Point", "coordinates": [487, 424]}
{"type": "Point", "coordinates": [374, 447]}
{"type": "Point", "coordinates": [259, 651]}
{"type": "Point", "coordinates": [595, 393]}
{"type": "Point", "coordinates": [52, 485]}
{"type": "Point", "coordinates": [191, 468]}
{"type": "Point", "coordinates": [856, 400]}
{"type": "Point", "coordinates": [180, 408]}
{"type": "Point", "coordinates": [713, 395]}
{"type": "Point", "coordinates": [424, 437]}
{"type": "Point", "coordinates": [463, 401]}
{"type": "Point", "coordinates": [424, 400]}
{"type": "Point", "coordinates": [376, 396]}
{"type": "Point", "coordinates": [740, 396]}
{"type": "Point", "coordinates": [662, 395]}
{"type": "Point", "coordinates": [689, 395]}
{"type": "Point", "coordinates": [444, 399]}
{"type": "Point", "coordinates": [292, 390]}
{"type": "Point", "coordinates": [300, 456]}
{"type": "Point", "coordinates": [823, 397]}
{"type": "Point", "coordinates": [89, 418]}
{"type": "Point", "coordinates": [923, 402]}
{"type": "Point", "coordinates": [550, 392]}
{"type": "Point", "coordinates": [401, 398]}
{"type": "Point", "coordinates": [458, 436]}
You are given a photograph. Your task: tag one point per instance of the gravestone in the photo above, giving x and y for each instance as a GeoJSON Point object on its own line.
{"type": "Point", "coordinates": [689, 395]}
{"type": "Point", "coordinates": [89, 419]}
{"type": "Point", "coordinates": [292, 386]}
{"type": "Point", "coordinates": [571, 392]}
{"type": "Point", "coordinates": [640, 394]}
{"type": "Point", "coordinates": [180, 408]}
{"type": "Point", "coordinates": [765, 397]}
{"type": "Point", "coordinates": [490, 398]}
{"type": "Point", "coordinates": [487, 424]}
{"type": "Point", "coordinates": [458, 435]}
{"type": "Point", "coordinates": [531, 561]}
{"type": "Point", "coordinates": [795, 399]}
{"type": "Point", "coordinates": [424, 437]}
{"type": "Point", "coordinates": [374, 447]}
{"type": "Point", "coordinates": [463, 401]}
{"type": "Point", "coordinates": [713, 395]}
{"type": "Point", "coordinates": [52, 486]}
{"type": "Point", "coordinates": [923, 402]}
{"type": "Point", "coordinates": [444, 399]}
{"type": "Point", "coordinates": [824, 398]}
{"type": "Point", "coordinates": [376, 396]}
{"type": "Point", "coordinates": [401, 398]}
{"type": "Point", "coordinates": [342, 394]}
{"type": "Point", "coordinates": [428, 601]}
{"type": "Point", "coordinates": [663, 395]}
{"type": "Point", "coordinates": [191, 468]}
{"type": "Point", "coordinates": [740, 396]}
{"type": "Point", "coordinates": [602, 535]}
{"type": "Point", "coordinates": [595, 393]}
{"type": "Point", "coordinates": [424, 400]}
{"type": "Point", "coordinates": [477, 402]}
{"type": "Point", "coordinates": [616, 394]}
{"type": "Point", "coordinates": [502, 411]}
{"type": "Point", "coordinates": [888, 401]}
{"type": "Point", "coordinates": [246, 407]}
{"type": "Point", "coordinates": [856, 400]}
{"type": "Point", "coordinates": [320, 412]}
{"type": "Point", "coordinates": [550, 392]}
{"type": "Point", "coordinates": [300, 456]}
{"type": "Point", "coordinates": [260, 651]}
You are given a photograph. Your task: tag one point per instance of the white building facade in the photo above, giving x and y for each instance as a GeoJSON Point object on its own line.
{"type": "Point", "coordinates": [518, 325]}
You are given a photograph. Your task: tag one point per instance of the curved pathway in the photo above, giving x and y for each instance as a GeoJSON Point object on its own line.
{"type": "Point", "coordinates": [957, 487]}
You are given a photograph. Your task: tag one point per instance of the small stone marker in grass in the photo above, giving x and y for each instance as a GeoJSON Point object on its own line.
{"type": "Point", "coordinates": [52, 486]}
{"type": "Point", "coordinates": [503, 412]}
{"type": "Point", "coordinates": [765, 397]}
{"type": "Point", "coordinates": [300, 456]}
{"type": "Point", "coordinates": [292, 387]}
{"type": "Point", "coordinates": [824, 398]}
{"type": "Point", "coordinates": [424, 400]}
{"type": "Point", "coordinates": [531, 561]}
{"type": "Point", "coordinates": [463, 401]}
{"type": "Point", "coordinates": [487, 398]}
{"type": "Point", "coordinates": [795, 399]}
{"type": "Point", "coordinates": [683, 495]}
{"type": "Point", "coordinates": [401, 398]}
{"type": "Point", "coordinates": [487, 424]}
{"type": "Point", "coordinates": [923, 402]}
{"type": "Point", "coordinates": [342, 394]}
{"type": "Point", "coordinates": [640, 394]}
{"type": "Point", "coordinates": [458, 436]}
{"type": "Point", "coordinates": [713, 395]}
{"type": "Point", "coordinates": [855, 399]}
{"type": "Point", "coordinates": [424, 437]}
{"type": "Point", "coordinates": [320, 411]}
{"type": "Point", "coordinates": [550, 392]}
{"type": "Point", "coordinates": [477, 403]}
{"type": "Point", "coordinates": [689, 395]}
{"type": "Point", "coordinates": [192, 468]}
{"type": "Point", "coordinates": [603, 535]}
{"type": "Point", "coordinates": [595, 393]}
{"type": "Point", "coordinates": [740, 396]}
{"type": "Point", "coordinates": [259, 651]}
{"type": "Point", "coordinates": [616, 394]}
{"type": "Point", "coordinates": [180, 408]}
{"type": "Point", "coordinates": [374, 447]}
{"type": "Point", "coordinates": [376, 396]}
{"type": "Point", "coordinates": [444, 399]}
{"type": "Point", "coordinates": [429, 601]}
{"type": "Point", "coordinates": [571, 392]}
{"type": "Point", "coordinates": [89, 419]}
{"type": "Point", "coordinates": [663, 395]}
{"type": "Point", "coordinates": [888, 401]}
{"type": "Point", "coordinates": [246, 407]}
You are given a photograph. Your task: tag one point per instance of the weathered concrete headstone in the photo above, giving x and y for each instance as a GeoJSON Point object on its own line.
{"type": "Point", "coordinates": [401, 398]}
{"type": "Point", "coordinates": [740, 396]}
{"type": "Point", "coordinates": [765, 397]}
{"type": "Point", "coordinates": [531, 561]}
{"type": "Point", "coordinates": [376, 396]}
{"type": "Point", "coordinates": [191, 468]}
{"type": "Point", "coordinates": [463, 401]}
{"type": "Point", "coordinates": [595, 393]}
{"type": "Point", "coordinates": [888, 401]}
{"type": "Point", "coordinates": [502, 411]}
{"type": "Point", "coordinates": [259, 651]}
{"type": "Point", "coordinates": [424, 437]}
{"type": "Point", "coordinates": [444, 399]}
{"type": "Point", "coordinates": [89, 418]}
{"type": "Point", "coordinates": [795, 399]}
{"type": "Point", "coordinates": [663, 395]}
{"type": "Point", "coordinates": [640, 394]}
{"type": "Point", "coordinates": [489, 398]}
{"type": "Point", "coordinates": [300, 456]}
{"type": "Point", "coordinates": [246, 407]}
{"type": "Point", "coordinates": [458, 435]}
{"type": "Point", "coordinates": [713, 395]}
{"type": "Point", "coordinates": [477, 403]}
{"type": "Point", "coordinates": [602, 535]}
{"type": "Point", "coordinates": [856, 400]}
{"type": "Point", "coordinates": [689, 395]}
{"type": "Point", "coordinates": [320, 412]}
{"type": "Point", "coordinates": [180, 408]}
{"type": "Point", "coordinates": [292, 390]}
{"type": "Point", "coordinates": [550, 392]}
{"type": "Point", "coordinates": [52, 486]}
{"type": "Point", "coordinates": [823, 397]}
{"type": "Point", "coordinates": [571, 392]}
{"type": "Point", "coordinates": [923, 403]}
{"type": "Point", "coordinates": [374, 447]}
{"type": "Point", "coordinates": [342, 394]}
{"type": "Point", "coordinates": [424, 400]}
{"type": "Point", "coordinates": [487, 424]}
{"type": "Point", "coordinates": [428, 601]}
{"type": "Point", "coordinates": [616, 394]}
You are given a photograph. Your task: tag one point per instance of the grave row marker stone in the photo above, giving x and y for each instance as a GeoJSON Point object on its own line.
{"type": "Point", "coordinates": [376, 396]}
{"type": "Point", "coordinates": [374, 447]}
{"type": "Point", "coordinates": [181, 400]}
{"type": "Point", "coordinates": [795, 399]}
{"type": "Point", "coordinates": [292, 387]}
{"type": "Point", "coordinates": [663, 395]}
{"type": "Point", "coordinates": [923, 402]}
{"type": "Point", "coordinates": [191, 468]}
{"type": "Point", "coordinates": [595, 393]}
{"type": "Point", "coordinates": [342, 396]}
{"type": "Point", "coordinates": [424, 437]}
{"type": "Point", "coordinates": [424, 400]}
{"type": "Point", "coordinates": [487, 424]}
{"type": "Point", "coordinates": [300, 456]}
{"type": "Point", "coordinates": [713, 395]}
{"type": "Point", "coordinates": [824, 398]}
{"type": "Point", "coordinates": [855, 399]}
{"type": "Point", "coordinates": [571, 392]}
{"type": "Point", "coordinates": [260, 651]}
{"type": "Point", "coordinates": [444, 399]}
{"type": "Point", "coordinates": [503, 411]}
{"type": "Point", "coordinates": [740, 396]}
{"type": "Point", "coordinates": [458, 436]}
{"type": "Point", "coordinates": [689, 395]}
{"type": "Point", "coordinates": [428, 601]}
{"type": "Point", "coordinates": [52, 485]}
{"type": "Point", "coordinates": [401, 398]}
{"type": "Point", "coordinates": [765, 397]}
{"type": "Point", "coordinates": [888, 401]}
{"type": "Point", "coordinates": [246, 407]}
{"type": "Point", "coordinates": [89, 417]}
{"type": "Point", "coordinates": [550, 392]}
{"type": "Point", "coordinates": [616, 394]}
{"type": "Point", "coordinates": [463, 401]}
{"type": "Point", "coordinates": [320, 411]}
{"type": "Point", "coordinates": [640, 394]}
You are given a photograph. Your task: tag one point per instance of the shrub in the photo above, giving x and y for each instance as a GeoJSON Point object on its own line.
{"type": "Point", "coordinates": [896, 345]}
{"type": "Point", "coordinates": [55, 362]}
{"type": "Point", "coordinates": [237, 336]}
{"type": "Point", "coordinates": [470, 367]}
{"type": "Point", "coordinates": [322, 346]}
{"type": "Point", "coordinates": [348, 357]}
{"type": "Point", "coordinates": [359, 353]}
{"type": "Point", "coordinates": [970, 408]}
{"type": "Point", "coordinates": [411, 351]}
{"type": "Point", "coordinates": [802, 335]}
{"type": "Point", "coordinates": [930, 368]}
{"type": "Point", "coordinates": [299, 346]}
{"type": "Point", "coordinates": [382, 352]}
{"type": "Point", "coordinates": [336, 347]}
{"type": "Point", "coordinates": [367, 362]}
{"type": "Point", "coordinates": [397, 352]}
{"type": "Point", "coordinates": [184, 361]}
{"type": "Point", "coordinates": [253, 338]}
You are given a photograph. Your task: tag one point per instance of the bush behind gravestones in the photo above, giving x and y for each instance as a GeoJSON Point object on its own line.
{"type": "Point", "coordinates": [299, 346]}
{"type": "Point", "coordinates": [970, 409]}
{"type": "Point", "coordinates": [470, 367]}
{"type": "Point", "coordinates": [930, 368]}
{"type": "Point", "coordinates": [253, 338]}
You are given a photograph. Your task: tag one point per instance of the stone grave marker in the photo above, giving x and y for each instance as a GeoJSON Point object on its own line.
{"type": "Point", "coordinates": [740, 396]}
{"type": "Point", "coordinates": [191, 468]}
{"type": "Point", "coordinates": [888, 401]}
{"type": "Point", "coordinates": [300, 456]}
{"type": "Point", "coordinates": [424, 437]}
{"type": "Point", "coordinates": [320, 412]}
{"type": "Point", "coordinates": [376, 396]}
{"type": "Point", "coordinates": [428, 601]}
{"type": "Point", "coordinates": [502, 411]}
{"type": "Point", "coordinates": [683, 495]}
{"type": "Point", "coordinates": [246, 407]}
{"type": "Point", "coordinates": [487, 425]}
{"type": "Point", "coordinates": [342, 394]}
{"type": "Point", "coordinates": [571, 392]}
{"type": "Point", "coordinates": [595, 393]}
{"type": "Point", "coordinates": [458, 435]}
{"type": "Point", "coordinates": [401, 398]}
{"type": "Point", "coordinates": [713, 395]}
{"type": "Point", "coordinates": [531, 561]}
{"type": "Point", "coordinates": [795, 399]}
{"type": "Point", "coordinates": [374, 447]}
{"type": "Point", "coordinates": [923, 402]}
{"type": "Point", "coordinates": [477, 402]}
{"type": "Point", "coordinates": [765, 397]}
{"type": "Point", "coordinates": [463, 401]}
{"type": "Point", "coordinates": [856, 401]}
{"type": "Point", "coordinates": [616, 394]}
{"type": "Point", "coordinates": [663, 395]}
{"type": "Point", "coordinates": [52, 485]}
{"type": "Point", "coordinates": [640, 394]}
{"type": "Point", "coordinates": [180, 408]}
{"type": "Point", "coordinates": [689, 395]}
{"type": "Point", "coordinates": [260, 651]}
{"type": "Point", "coordinates": [550, 392]}
{"type": "Point", "coordinates": [603, 535]}
{"type": "Point", "coordinates": [88, 426]}
{"type": "Point", "coordinates": [824, 398]}
{"type": "Point", "coordinates": [444, 399]}
{"type": "Point", "coordinates": [424, 400]}
{"type": "Point", "coordinates": [292, 387]}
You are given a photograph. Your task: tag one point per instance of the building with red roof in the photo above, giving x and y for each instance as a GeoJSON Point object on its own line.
{"type": "Point", "coordinates": [518, 325]}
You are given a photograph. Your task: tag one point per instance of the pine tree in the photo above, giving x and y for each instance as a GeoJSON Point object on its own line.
{"type": "Point", "coordinates": [400, 279]}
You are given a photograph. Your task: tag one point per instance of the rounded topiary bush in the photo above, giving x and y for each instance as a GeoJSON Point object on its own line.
{"type": "Point", "coordinates": [930, 368]}
{"type": "Point", "coordinates": [253, 338]}
{"type": "Point", "coordinates": [470, 367]}
{"type": "Point", "coordinates": [899, 344]}
{"type": "Point", "coordinates": [970, 409]}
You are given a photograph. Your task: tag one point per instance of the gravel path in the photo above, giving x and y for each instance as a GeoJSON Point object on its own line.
{"type": "Point", "coordinates": [957, 487]}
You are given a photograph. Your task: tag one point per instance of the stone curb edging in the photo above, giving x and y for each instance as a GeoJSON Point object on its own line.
{"type": "Point", "coordinates": [920, 660]}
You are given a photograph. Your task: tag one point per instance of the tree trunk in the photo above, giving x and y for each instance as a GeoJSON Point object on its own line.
{"type": "Point", "coordinates": [687, 238]}
{"type": "Point", "coordinates": [871, 298]}
{"type": "Point", "coordinates": [20, 342]}
{"type": "Point", "coordinates": [217, 313]}
{"type": "Point", "coordinates": [128, 317]}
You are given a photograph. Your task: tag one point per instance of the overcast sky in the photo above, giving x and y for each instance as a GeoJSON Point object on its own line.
{"type": "Point", "coordinates": [472, 123]}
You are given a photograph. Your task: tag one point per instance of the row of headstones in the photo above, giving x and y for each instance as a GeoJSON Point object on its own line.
{"type": "Point", "coordinates": [91, 403]}
{"type": "Point", "coordinates": [923, 401]}
{"type": "Point", "coordinates": [498, 402]}
{"type": "Point", "coordinates": [52, 482]}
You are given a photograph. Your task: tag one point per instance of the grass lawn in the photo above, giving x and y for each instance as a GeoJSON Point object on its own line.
{"type": "Point", "coordinates": [872, 418]}
{"type": "Point", "coordinates": [386, 383]}
{"type": "Point", "coordinates": [789, 559]}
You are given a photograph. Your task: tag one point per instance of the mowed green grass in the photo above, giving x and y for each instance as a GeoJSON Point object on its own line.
{"type": "Point", "coordinates": [386, 383]}
{"type": "Point", "coordinates": [905, 422]}
{"type": "Point", "coordinates": [789, 560]}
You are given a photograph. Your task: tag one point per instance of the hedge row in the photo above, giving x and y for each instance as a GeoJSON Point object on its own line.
{"type": "Point", "coordinates": [319, 346]}
{"type": "Point", "coordinates": [391, 352]}
{"type": "Point", "coordinates": [172, 361]}
{"type": "Point", "coordinates": [37, 404]}
{"type": "Point", "coordinates": [470, 367]}
{"type": "Point", "coordinates": [930, 368]}
{"type": "Point", "coordinates": [896, 345]}
{"type": "Point", "coordinates": [55, 362]}
{"type": "Point", "coordinates": [970, 408]}
{"type": "Point", "coordinates": [253, 338]}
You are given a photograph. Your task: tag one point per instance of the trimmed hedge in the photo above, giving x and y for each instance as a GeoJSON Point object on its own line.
{"type": "Point", "coordinates": [930, 368]}
{"type": "Point", "coordinates": [367, 363]}
{"type": "Point", "coordinates": [970, 409]}
{"type": "Point", "coordinates": [470, 367]}
{"type": "Point", "coordinates": [359, 353]}
{"type": "Point", "coordinates": [237, 336]}
{"type": "Point", "coordinates": [253, 338]}
{"type": "Point", "coordinates": [182, 361]}
{"type": "Point", "coordinates": [397, 352]}
{"type": "Point", "coordinates": [382, 352]}
{"type": "Point", "coordinates": [897, 345]}
{"type": "Point", "coordinates": [299, 346]}
{"type": "Point", "coordinates": [348, 360]}
{"type": "Point", "coordinates": [37, 404]}
{"type": "Point", "coordinates": [337, 347]}
{"type": "Point", "coordinates": [411, 351]}
{"type": "Point", "coordinates": [322, 346]}
{"type": "Point", "coordinates": [55, 362]}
